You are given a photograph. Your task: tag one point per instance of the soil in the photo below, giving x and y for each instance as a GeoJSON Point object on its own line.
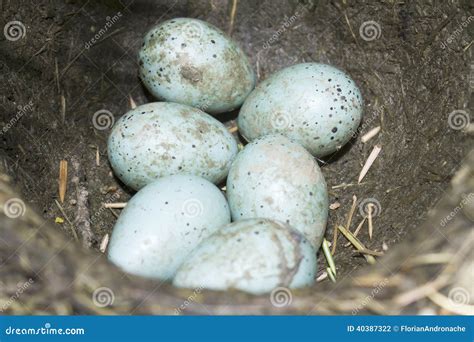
{"type": "Point", "coordinates": [79, 57]}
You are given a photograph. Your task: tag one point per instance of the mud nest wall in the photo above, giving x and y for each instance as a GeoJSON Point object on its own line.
{"type": "Point", "coordinates": [65, 61]}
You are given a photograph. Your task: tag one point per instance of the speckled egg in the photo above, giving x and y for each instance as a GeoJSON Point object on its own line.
{"type": "Point", "coordinates": [315, 104]}
{"type": "Point", "coordinates": [255, 255]}
{"type": "Point", "coordinates": [278, 179]}
{"type": "Point", "coordinates": [190, 61]}
{"type": "Point", "coordinates": [161, 139]}
{"type": "Point", "coordinates": [164, 222]}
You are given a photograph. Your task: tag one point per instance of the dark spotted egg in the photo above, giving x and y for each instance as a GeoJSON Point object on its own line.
{"type": "Point", "coordinates": [190, 61]}
{"type": "Point", "coordinates": [163, 138]}
{"type": "Point", "coordinates": [317, 105]}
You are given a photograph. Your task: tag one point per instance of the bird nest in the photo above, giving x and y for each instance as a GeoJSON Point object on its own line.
{"type": "Point", "coordinates": [69, 61]}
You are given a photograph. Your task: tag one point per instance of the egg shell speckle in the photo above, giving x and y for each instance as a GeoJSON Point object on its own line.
{"type": "Point", "coordinates": [315, 104]}
{"type": "Point", "coordinates": [192, 62]}
{"type": "Point", "coordinates": [276, 178]}
{"type": "Point", "coordinates": [164, 222]}
{"type": "Point", "coordinates": [254, 255]}
{"type": "Point", "coordinates": [161, 139]}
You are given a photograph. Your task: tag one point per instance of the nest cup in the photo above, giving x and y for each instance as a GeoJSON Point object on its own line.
{"type": "Point", "coordinates": [61, 106]}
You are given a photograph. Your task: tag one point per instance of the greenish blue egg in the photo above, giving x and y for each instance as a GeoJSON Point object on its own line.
{"type": "Point", "coordinates": [317, 105]}
{"type": "Point", "coordinates": [276, 178]}
{"type": "Point", "coordinates": [192, 62]}
{"type": "Point", "coordinates": [164, 222]}
{"type": "Point", "coordinates": [254, 255]}
{"type": "Point", "coordinates": [161, 139]}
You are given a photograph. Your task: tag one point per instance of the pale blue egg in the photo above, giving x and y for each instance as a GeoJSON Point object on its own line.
{"type": "Point", "coordinates": [278, 179]}
{"type": "Point", "coordinates": [192, 62]}
{"type": "Point", "coordinates": [164, 222]}
{"type": "Point", "coordinates": [255, 255]}
{"type": "Point", "coordinates": [317, 105]}
{"type": "Point", "coordinates": [160, 139]}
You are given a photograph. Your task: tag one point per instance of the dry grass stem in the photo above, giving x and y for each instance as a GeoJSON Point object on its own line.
{"type": "Point", "coordinates": [233, 129]}
{"type": "Point", "coordinates": [62, 180]}
{"type": "Point", "coordinates": [115, 205]}
{"type": "Point", "coordinates": [369, 216]}
{"type": "Point", "coordinates": [370, 134]}
{"type": "Point", "coordinates": [368, 164]}
{"type": "Point", "coordinates": [104, 243]}
{"type": "Point", "coordinates": [356, 232]}
{"type": "Point", "coordinates": [357, 244]}
{"type": "Point", "coordinates": [328, 255]}
{"type": "Point", "coordinates": [133, 105]}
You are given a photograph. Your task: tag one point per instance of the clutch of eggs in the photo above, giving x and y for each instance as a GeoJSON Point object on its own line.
{"type": "Point", "coordinates": [178, 223]}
